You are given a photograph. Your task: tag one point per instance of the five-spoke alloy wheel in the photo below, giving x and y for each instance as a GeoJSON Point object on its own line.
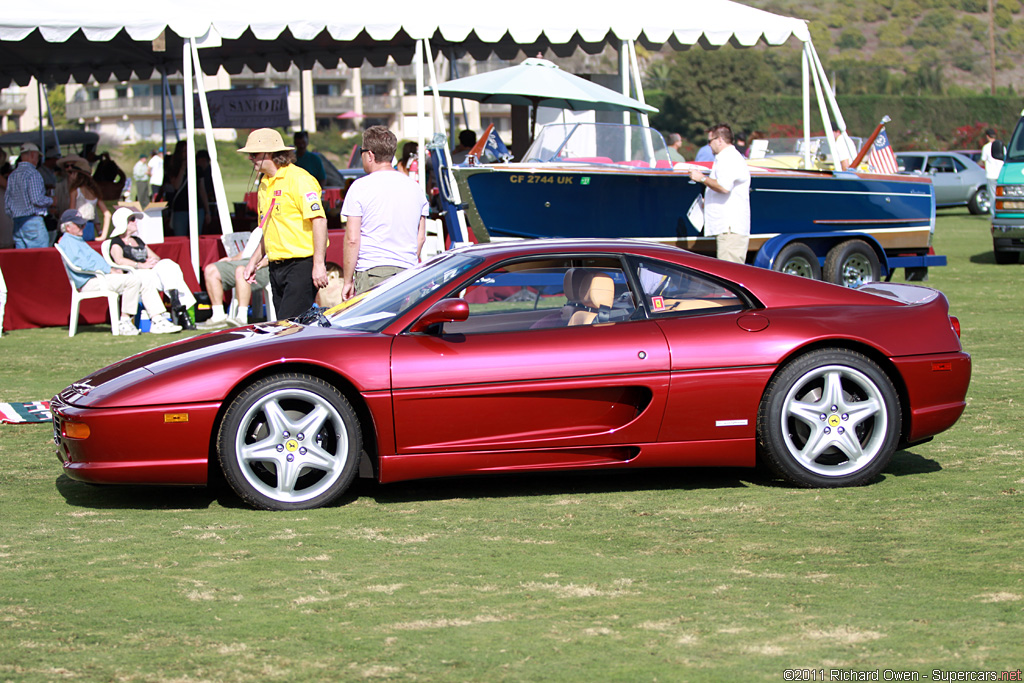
{"type": "Point", "coordinates": [289, 442]}
{"type": "Point", "coordinates": [829, 418]}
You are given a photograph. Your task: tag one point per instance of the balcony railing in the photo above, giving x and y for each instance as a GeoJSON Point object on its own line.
{"type": "Point", "coordinates": [381, 103]}
{"type": "Point", "coordinates": [333, 104]}
{"type": "Point", "coordinates": [13, 100]}
{"type": "Point", "coordinates": [122, 106]}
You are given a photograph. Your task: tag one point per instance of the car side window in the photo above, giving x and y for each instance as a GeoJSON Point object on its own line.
{"type": "Point", "coordinates": [671, 290]}
{"type": "Point", "coordinates": [910, 164]}
{"type": "Point", "coordinates": [940, 164]}
{"type": "Point", "coordinates": [958, 166]}
{"type": "Point", "coordinates": [542, 294]}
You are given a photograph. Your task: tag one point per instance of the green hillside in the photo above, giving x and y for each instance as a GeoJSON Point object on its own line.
{"type": "Point", "coordinates": [906, 46]}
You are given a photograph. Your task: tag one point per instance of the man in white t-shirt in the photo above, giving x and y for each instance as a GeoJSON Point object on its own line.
{"type": "Point", "coordinates": [386, 212]}
{"type": "Point", "coordinates": [845, 149]}
{"type": "Point", "coordinates": [992, 165]}
{"type": "Point", "coordinates": [727, 199]}
{"type": "Point", "coordinates": [156, 174]}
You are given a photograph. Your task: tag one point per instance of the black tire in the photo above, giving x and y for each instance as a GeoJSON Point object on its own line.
{"type": "Point", "coordinates": [980, 202]}
{"type": "Point", "coordinates": [852, 263]}
{"type": "Point", "coordinates": [796, 258]}
{"type": "Point", "coordinates": [289, 442]}
{"type": "Point", "coordinates": [829, 418]}
{"type": "Point", "coordinates": [1004, 258]}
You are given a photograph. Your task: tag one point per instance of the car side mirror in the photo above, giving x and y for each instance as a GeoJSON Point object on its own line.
{"type": "Point", "coordinates": [444, 311]}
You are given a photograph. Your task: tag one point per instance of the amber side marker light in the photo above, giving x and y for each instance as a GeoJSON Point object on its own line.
{"type": "Point", "coordinates": [175, 417]}
{"type": "Point", "coordinates": [76, 430]}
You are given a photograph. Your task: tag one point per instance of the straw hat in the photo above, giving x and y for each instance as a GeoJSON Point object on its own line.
{"type": "Point", "coordinates": [76, 161]}
{"type": "Point", "coordinates": [120, 220]}
{"type": "Point", "coordinates": [265, 140]}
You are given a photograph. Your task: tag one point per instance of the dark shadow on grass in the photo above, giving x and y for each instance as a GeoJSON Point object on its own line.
{"type": "Point", "coordinates": [907, 462]}
{"type": "Point", "coordinates": [115, 496]}
{"type": "Point", "coordinates": [558, 483]}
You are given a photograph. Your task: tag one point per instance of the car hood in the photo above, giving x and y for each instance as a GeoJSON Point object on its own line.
{"type": "Point", "coordinates": [206, 367]}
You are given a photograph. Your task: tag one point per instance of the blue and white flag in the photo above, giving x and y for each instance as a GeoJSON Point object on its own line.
{"type": "Point", "coordinates": [496, 147]}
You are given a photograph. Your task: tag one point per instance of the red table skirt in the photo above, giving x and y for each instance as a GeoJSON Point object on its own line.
{"type": "Point", "coordinates": [39, 295]}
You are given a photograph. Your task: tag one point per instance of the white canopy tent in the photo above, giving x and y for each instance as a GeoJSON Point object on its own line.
{"type": "Point", "coordinates": [61, 39]}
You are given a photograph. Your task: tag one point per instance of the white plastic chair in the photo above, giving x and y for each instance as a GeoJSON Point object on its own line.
{"type": "Point", "coordinates": [105, 251]}
{"type": "Point", "coordinates": [268, 299]}
{"type": "Point", "coordinates": [234, 243]}
{"type": "Point", "coordinates": [78, 296]}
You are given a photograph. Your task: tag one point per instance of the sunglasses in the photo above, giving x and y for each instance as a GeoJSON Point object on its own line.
{"type": "Point", "coordinates": [253, 156]}
{"type": "Point", "coordinates": [363, 150]}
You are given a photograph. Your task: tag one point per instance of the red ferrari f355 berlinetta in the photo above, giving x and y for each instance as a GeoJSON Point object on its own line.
{"type": "Point", "coordinates": [533, 355]}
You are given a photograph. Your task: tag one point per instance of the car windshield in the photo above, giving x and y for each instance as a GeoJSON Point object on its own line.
{"type": "Point", "coordinates": [599, 143]}
{"type": "Point", "coordinates": [1015, 150]}
{"type": "Point", "coordinates": [373, 310]}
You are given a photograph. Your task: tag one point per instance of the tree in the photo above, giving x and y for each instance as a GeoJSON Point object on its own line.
{"type": "Point", "coordinates": [706, 87]}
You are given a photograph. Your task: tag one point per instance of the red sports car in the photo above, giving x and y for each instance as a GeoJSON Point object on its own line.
{"type": "Point", "coordinates": [533, 355]}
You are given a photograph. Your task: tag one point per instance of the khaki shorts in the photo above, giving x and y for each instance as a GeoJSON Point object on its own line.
{"type": "Point", "coordinates": [732, 247]}
{"type": "Point", "coordinates": [367, 279]}
{"type": "Point", "coordinates": [227, 273]}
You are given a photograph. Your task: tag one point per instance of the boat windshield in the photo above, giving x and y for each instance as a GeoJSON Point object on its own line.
{"type": "Point", "coordinates": [373, 310]}
{"type": "Point", "coordinates": [599, 143]}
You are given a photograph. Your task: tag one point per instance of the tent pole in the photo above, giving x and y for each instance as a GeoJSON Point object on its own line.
{"type": "Point", "coordinates": [421, 168]}
{"type": "Point", "coordinates": [806, 89]}
{"type": "Point", "coordinates": [826, 121]}
{"type": "Point", "coordinates": [42, 130]}
{"type": "Point", "coordinates": [49, 117]}
{"type": "Point", "coordinates": [190, 156]}
{"type": "Point", "coordinates": [163, 118]}
{"type": "Point", "coordinates": [446, 155]}
{"type": "Point", "coordinates": [644, 120]}
{"type": "Point", "coordinates": [220, 200]}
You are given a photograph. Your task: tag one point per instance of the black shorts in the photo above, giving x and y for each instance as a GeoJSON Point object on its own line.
{"type": "Point", "coordinates": [292, 282]}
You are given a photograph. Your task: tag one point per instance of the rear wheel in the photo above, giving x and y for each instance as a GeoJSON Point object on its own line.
{"type": "Point", "coordinates": [796, 258]}
{"type": "Point", "coordinates": [829, 418]}
{"type": "Point", "coordinates": [852, 263]}
{"type": "Point", "coordinates": [289, 442]}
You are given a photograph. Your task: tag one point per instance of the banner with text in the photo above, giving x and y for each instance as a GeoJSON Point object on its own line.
{"type": "Point", "coordinates": [248, 108]}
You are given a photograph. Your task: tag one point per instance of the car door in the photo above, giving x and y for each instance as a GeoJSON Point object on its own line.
{"type": "Point", "coordinates": [949, 185]}
{"type": "Point", "coordinates": [532, 378]}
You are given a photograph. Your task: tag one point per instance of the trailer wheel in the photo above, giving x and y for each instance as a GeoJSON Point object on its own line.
{"type": "Point", "coordinates": [852, 263]}
{"type": "Point", "coordinates": [796, 258]}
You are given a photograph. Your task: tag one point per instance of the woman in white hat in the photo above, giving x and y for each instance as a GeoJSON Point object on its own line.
{"type": "Point", "coordinates": [127, 249]}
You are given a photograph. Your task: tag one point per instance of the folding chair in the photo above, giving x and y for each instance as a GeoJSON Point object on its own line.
{"type": "Point", "coordinates": [78, 296]}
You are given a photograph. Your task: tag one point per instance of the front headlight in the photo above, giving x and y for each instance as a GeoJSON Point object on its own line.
{"type": "Point", "coordinates": [1010, 191]}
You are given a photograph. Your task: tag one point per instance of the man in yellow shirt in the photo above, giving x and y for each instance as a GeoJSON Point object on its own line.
{"type": "Point", "coordinates": [294, 224]}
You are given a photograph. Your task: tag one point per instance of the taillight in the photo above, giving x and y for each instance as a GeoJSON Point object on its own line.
{"type": "Point", "coordinates": [955, 322]}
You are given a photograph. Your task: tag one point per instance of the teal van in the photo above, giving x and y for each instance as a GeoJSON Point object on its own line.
{"type": "Point", "coordinates": [1008, 216]}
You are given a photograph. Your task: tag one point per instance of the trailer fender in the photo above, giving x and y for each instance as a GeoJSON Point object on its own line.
{"type": "Point", "coordinates": [819, 242]}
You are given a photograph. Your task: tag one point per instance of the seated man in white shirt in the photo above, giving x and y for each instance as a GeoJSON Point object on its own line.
{"type": "Point", "coordinates": [128, 285]}
{"type": "Point", "coordinates": [227, 274]}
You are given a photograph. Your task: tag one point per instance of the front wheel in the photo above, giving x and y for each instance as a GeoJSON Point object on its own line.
{"type": "Point", "coordinates": [829, 418]}
{"type": "Point", "coordinates": [796, 258]}
{"type": "Point", "coordinates": [980, 202]}
{"type": "Point", "coordinates": [289, 442]}
{"type": "Point", "coordinates": [1004, 258]}
{"type": "Point", "coordinates": [852, 263]}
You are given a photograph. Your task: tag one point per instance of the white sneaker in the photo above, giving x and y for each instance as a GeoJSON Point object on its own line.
{"type": "Point", "coordinates": [163, 326]}
{"type": "Point", "coordinates": [126, 328]}
{"type": "Point", "coordinates": [235, 322]}
{"type": "Point", "coordinates": [213, 324]}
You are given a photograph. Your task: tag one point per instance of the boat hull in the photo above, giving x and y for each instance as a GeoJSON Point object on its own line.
{"type": "Point", "coordinates": [548, 200]}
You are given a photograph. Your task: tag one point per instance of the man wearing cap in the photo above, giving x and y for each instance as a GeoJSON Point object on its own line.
{"type": "Point", "coordinates": [26, 201]}
{"type": "Point", "coordinates": [140, 178]}
{"type": "Point", "coordinates": [129, 286]}
{"type": "Point", "coordinates": [294, 224]}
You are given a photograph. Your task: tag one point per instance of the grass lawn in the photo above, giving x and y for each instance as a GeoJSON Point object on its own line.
{"type": "Point", "coordinates": [695, 575]}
